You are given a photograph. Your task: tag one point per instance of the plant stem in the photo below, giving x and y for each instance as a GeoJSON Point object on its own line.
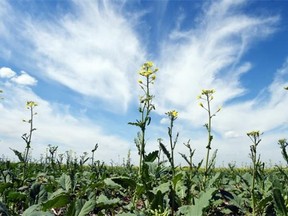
{"type": "Point", "coordinates": [209, 125]}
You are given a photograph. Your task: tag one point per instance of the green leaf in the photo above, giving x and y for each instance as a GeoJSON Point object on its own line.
{"type": "Point", "coordinates": [60, 200]}
{"type": "Point", "coordinates": [88, 207]}
{"type": "Point", "coordinates": [3, 210]}
{"type": "Point", "coordinates": [215, 178]}
{"type": "Point", "coordinates": [140, 189]}
{"type": "Point", "coordinates": [65, 182]}
{"type": "Point", "coordinates": [200, 204]}
{"type": "Point", "coordinates": [38, 194]}
{"type": "Point", "coordinates": [34, 210]}
{"type": "Point", "coordinates": [19, 155]}
{"type": "Point", "coordinates": [104, 203]}
{"type": "Point", "coordinates": [164, 187]}
{"type": "Point", "coordinates": [151, 156]}
{"type": "Point", "coordinates": [110, 183]}
{"type": "Point", "coordinates": [158, 201]}
{"type": "Point", "coordinates": [279, 202]}
{"type": "Point", "coordinates": [177, 178]}
{"type": "Point", "coordinates": [125, 182]}
{"type": "Point", "coordinates": [16, 196]}
{"type": "Point", "coordinates": [4, 186]}
{"type": "Point", "coordinates": [166, 152]}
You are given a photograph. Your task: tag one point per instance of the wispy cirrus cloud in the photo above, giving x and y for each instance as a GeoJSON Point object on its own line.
{"type": "Point", "coordinates": [93, 50]}
{"type": "Point", "coordinates": [209, 56]}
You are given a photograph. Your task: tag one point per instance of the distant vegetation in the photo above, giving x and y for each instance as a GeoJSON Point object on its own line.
{"type": "Point", "coordinates": [60, 184]}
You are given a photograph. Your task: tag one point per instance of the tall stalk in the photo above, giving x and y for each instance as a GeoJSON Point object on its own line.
{"type": "Point", "coordinates": [207, 96]}
{"type": "Point", "coordinates": [28, 137]}
{"type": "Point", "coordinates": [255, 138]}
{"type": "Point", "coordinates": [172, 115]}
{"type": "Point", "coordinates": [147, 72]}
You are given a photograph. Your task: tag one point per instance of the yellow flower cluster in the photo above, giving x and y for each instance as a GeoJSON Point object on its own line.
{"type": "Point", "coordinates": [173, 114]}
{"type": "Point", "coordinates": [30, 104]}
{"type": "Point", "coordinates": [147, 70]}
{"type": "Point", "coordinates": [254, 133]}
{"type": "Point", "coordinates": [207, 92]}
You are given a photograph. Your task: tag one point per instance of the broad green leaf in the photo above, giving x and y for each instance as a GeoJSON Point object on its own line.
{"type": "Point", "coordinates": [65, 182]}
{"type": "Point", "coordinates": [88, 207]}
{"type": "Point", "coordinates": [110, 183]}
{"type": "Point", "coordinates": [19, 155]}
{"type": "Point", "coordinates": [125, 182]}
{"type": "Point", "coordinates": [78, 204]}
{"type": "Point", "coordinates": [177, 178]}
{"type": "Point", "coordinates": [279, 202]}
{"type": "Point", "coordinates": [58, 201]}
{"type": "Point", "coordinates": [164, 187]}
{"type": "Point", "coordinates": [34, 210]}
{"type": "Point", "coordinates": [214, 179]}
{"type": "Point", "coordinates": [158, 201]}
{"type": "Point", "coordinates": [103, 202]}
{"type": "Point", "coordinates": [201, 203]}
{"type": "Point", "coordinates": [151, 156]}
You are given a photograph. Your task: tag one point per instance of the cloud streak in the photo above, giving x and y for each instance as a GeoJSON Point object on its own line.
{"type": "Point", "coordinates": [209, 55]}
{"type": "Point", "coordinates": [92, 50]}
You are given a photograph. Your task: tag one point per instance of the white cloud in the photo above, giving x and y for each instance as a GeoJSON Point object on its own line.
{"type": "Point", "coordinates": [24, 79]}
{"type": "Point", "coordinates": [231, 134]}
{"type": "Point", "coordinates": [261, 113]}
{"type": "Point", "coordinates": [55, 125]}
{"type": "Point", "coordinates": [209, 57]}
{"type": "Point", "coordinates": [6, 72]}
{"type": "Point", "coordinates": [93, 50]}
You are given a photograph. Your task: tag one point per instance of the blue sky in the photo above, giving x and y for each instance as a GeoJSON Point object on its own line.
{"type": "Point", "coordinates": [79, 61]}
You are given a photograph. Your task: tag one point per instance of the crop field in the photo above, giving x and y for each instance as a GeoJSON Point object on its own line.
{"type": "Point", "coordinates": [59, 184]}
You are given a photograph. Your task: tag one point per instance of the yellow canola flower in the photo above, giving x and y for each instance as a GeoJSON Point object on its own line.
{"type": "Point", "coordinates": [140, 82]}
{"type": "Point", "coordinates": [153, 77]}
{"type": "Point", "coordinates": [207, 91]}
{"type": "Point", "coordinates": [254, 133]}
{"type": "Point", "coordinates": [149, 64]}
{"type": "Point", "coordinates": [173, 114]}
{"type": "Point", "coordinates": [30, 104]}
